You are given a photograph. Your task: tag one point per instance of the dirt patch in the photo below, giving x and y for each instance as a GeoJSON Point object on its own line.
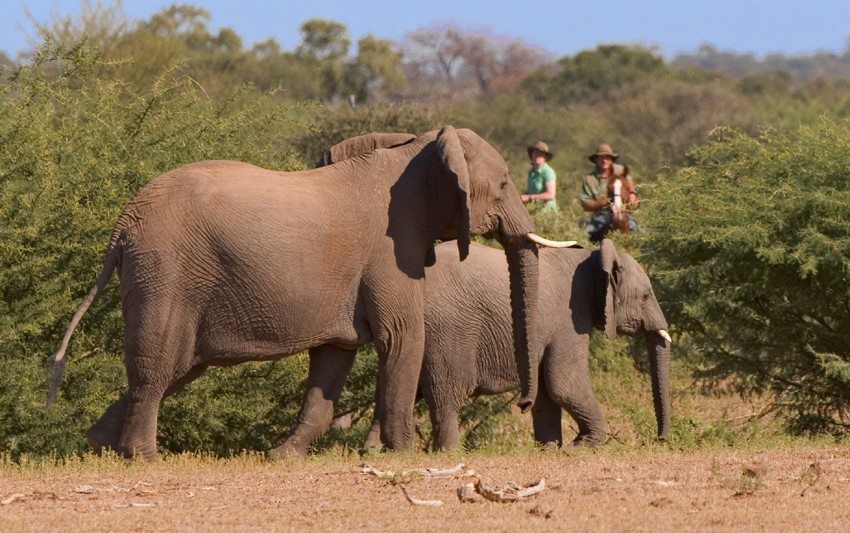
{"type": "Point", "coordinates": [785, 488]}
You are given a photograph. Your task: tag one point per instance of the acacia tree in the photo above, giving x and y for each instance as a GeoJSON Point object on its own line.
{"type": "Point", "coordinates": [467, 63]}
{"type": "Point", "coordinates": [101, 24]}
{"type": "Point", "coordinates": [749, 248]}
{"type": "Point", "coordinates": [433, 53]}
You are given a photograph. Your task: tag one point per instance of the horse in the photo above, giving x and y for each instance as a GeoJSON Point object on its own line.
{"type": "Point", "coordinates": [622, 192]}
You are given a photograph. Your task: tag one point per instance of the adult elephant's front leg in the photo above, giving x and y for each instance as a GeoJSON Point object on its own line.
{"type": "Point", "coordinates": [396, 315]}
{"type": "Point", "coordinates": [400, 358]}
{"type": "Point", "coordinates": [329, 367]}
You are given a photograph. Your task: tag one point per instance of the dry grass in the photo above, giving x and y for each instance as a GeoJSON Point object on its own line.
{"type": "Point", "coordinates": [791, 487]}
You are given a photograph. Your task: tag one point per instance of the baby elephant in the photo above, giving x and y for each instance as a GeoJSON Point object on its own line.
{"type": "Point", "coordinates": [469, 343]}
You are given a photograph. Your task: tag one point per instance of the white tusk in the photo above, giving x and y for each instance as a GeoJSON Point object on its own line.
{"type": "Point", "coordinates": [533, 237]}
{"type": "Point", "coordinates": [665, 336]}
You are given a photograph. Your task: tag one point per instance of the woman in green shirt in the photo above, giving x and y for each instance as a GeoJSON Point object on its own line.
{"type": "Point", "coordinates": [542, 182]}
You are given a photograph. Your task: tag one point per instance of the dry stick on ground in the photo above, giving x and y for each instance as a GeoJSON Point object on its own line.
{"type": "Point", "coordinates": [424, 472]}
{"type": "Point", "coordinates": [510, 492]}
{"type": "Point", "coordinates": [417, 501]}
{"type": "Point", "coordinates": [13, 498]}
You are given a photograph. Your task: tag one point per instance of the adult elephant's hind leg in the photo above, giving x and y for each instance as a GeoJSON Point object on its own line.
{"type": "Point", "coordinates": [329, 367]}
{"type": "Point", "coordinates": [156, 358]}
{"type": "Point", "coordinates": [138, 438]}
{"type": "Point", "coordinates": [106, 432]}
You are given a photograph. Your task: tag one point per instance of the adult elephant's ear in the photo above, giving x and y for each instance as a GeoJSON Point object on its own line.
{"type": "Point", "coordinates": [451, 153]}
{"type": "Point", "coordinates": [362, 144]}
{"type": "Point", "coordinates": [608, 260]}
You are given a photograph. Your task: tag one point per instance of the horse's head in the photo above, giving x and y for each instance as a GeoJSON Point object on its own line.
{"type": "Point", "coordinates": [620, 190]}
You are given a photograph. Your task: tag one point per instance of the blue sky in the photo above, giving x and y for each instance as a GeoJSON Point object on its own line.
{"type": "Point", "coordinates": [561, 27]}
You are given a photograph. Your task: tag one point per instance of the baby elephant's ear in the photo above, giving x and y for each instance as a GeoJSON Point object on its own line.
{"type": "Point", "coordinates": [608, 263]}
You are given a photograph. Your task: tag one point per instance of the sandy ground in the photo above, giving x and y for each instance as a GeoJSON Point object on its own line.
{"type": "Point", "coordinates": [790, 488]}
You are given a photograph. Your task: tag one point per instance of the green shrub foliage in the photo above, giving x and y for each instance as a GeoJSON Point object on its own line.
{"type": "Point", "coordinates": [750, 250]}
{"type": "Point", "coordinates": [73, 150]}
{"type": "Point", "coordinates": [336, 124]}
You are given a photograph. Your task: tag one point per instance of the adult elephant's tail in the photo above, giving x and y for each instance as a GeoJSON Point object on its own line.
{"type": "Point", "coordinates": [59, 362]}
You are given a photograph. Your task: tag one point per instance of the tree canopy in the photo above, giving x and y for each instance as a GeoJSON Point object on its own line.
{"type": "Point", "coordinates": [750, 245]}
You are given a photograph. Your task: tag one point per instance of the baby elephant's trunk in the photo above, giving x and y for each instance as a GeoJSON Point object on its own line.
{"type": "Point", "coordinates": [658, 346]}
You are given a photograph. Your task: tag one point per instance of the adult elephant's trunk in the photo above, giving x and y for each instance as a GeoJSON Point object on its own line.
{"type": "Point", "coordinates": [524, 276]}
{"type": "Point", "coordinates": [658, 348]}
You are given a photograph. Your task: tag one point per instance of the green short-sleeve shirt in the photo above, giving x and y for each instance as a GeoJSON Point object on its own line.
{"type": "Point", "coordinates": [537, 179]}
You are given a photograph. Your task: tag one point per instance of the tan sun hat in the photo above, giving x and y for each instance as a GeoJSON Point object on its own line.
{"type": "Point", "coordinates": [603, 149]}
{"type": "Point", "coordinates": [543, 147]}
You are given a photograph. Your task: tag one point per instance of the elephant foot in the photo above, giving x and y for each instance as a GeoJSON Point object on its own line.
{"type": "Point", "coordinates": [288, 450]}
{"type": "Point", "coordinates": [106, 432]}
{"type": "Point", "coordinates": [371, 449]}
{"type": "Point", "coordinates": [96, 446]}
{"type": "Point", "coordinates": [550, 446]}
{"type": "Point", "coordinates": [373, 439]}
{"type": "Point", "coordinates": [138, 451]}
{"type": "Point", "coordinates": [585, 442]}
{"type": "Point", "coordinates": [101, 442]}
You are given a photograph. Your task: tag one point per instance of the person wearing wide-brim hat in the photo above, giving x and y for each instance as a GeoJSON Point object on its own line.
{"type": "Point", "coordinates": [542, 182]}
{"type": "Point", "coordinates": [594, 192]}
{"type": "Point", "coordinates": [603, 150]}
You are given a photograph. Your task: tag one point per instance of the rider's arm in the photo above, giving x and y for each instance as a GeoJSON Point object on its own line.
{"type": "Point", "coordinates": [594, 205]}
{"type": "Point", "coordinates": [589, 201]}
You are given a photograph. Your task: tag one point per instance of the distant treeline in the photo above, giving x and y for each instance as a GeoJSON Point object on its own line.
{"type": "Point", "coordinates": [432, 64]}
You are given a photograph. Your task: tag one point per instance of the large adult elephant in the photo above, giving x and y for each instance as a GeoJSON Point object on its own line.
{"type": "Point", "coordinates": [468, 348]}
{"type": "Point", "coordinates": [222, 262]}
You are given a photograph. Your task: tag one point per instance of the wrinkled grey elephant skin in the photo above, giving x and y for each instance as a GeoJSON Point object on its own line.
{"type": "Point", "coordinates": [469, 352]}
{"type": "Point", "coordinates": [222, 262]}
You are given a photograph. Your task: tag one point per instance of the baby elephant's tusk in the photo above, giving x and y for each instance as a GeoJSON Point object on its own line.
{"type": "Point", "coordinates": [533, 237]}
{"type": "Point", "coordinates": [665, 336]}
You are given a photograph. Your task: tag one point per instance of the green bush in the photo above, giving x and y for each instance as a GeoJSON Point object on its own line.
{"type": "Point", "coordinates": [74, 148]}
{"type": "Point", "coordinates": [749, 248]}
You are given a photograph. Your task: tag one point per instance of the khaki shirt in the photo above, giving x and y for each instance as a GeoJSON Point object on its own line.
{"type": "Point", "coordinates": [595, 186]}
